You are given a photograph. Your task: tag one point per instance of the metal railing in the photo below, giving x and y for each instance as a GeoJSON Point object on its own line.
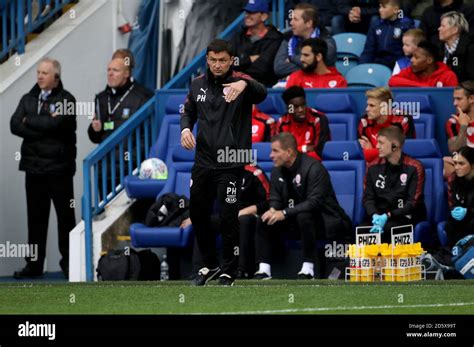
{"type": "Point", "coordinates": [19, 18]}
{"type": "Point", "coordinates": [148, 118]}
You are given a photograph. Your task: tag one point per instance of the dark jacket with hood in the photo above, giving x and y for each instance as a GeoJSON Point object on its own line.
{"type": "Point", "coordinates": [48, 129]}
{"type": "Point", "coordinates": [266, 47]}
{"type": "Point", "coordinates": [431, 18]}
{"type": "Point", "coordinates": [224, 129]}
{"type": "Point", "coordinates": [307, 182]}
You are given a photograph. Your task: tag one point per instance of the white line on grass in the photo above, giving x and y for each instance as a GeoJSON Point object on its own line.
{"type": "Point", "coordinates": [339, 308]}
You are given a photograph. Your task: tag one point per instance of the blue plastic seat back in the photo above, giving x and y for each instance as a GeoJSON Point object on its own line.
{"type": "Point", "coordinates": [368, 75]}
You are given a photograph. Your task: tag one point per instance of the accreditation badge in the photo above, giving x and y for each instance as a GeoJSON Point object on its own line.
{"type": "Point", "coordinates": [109, 126]}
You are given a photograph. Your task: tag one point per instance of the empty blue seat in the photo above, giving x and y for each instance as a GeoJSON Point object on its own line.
{"type": "Point", "coordinates": [175, 104]}
{"type": "Point", "coordinates": [349, 44]}
{"type": "Point", "coordinates": [263, 150]}
{"type": "Point", "coordinates": [179, 176]}
{"type": "Point", "coordinates": [422, 148]}
{"type": "Point", "coordinates": [273, 105]}
{"type": "Point", "coordinates": [345, 163]}
{"type": "Point", "coordinates": [344, 65]}
{"type": "Point", "coordinates": [368, 75]}
{"type": "Point", "coordinates": [168, 138]}
{"type": "Point", "coordinates": [421, 108]}
{"type": "Point", "coordinates": [340, 110]}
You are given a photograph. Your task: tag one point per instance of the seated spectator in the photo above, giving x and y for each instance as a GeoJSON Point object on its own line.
{"type": "Point", "coordinates": [253, 202]}
{"type": "Point", "coordinates": [426, 70]}
{"type": "Point", "coordinates": [302, 202]}
{"type": "Point", "coordinates": [315, 73]}
{"type": "Point", "coordinates": [378, 117]}
{"type": "Point", "coordinates": [410, 40]}
{"type": "Point", "coordinates": [304, 25]}
{"type": "Point", "coordinates": [354, 16]}
{"type": "Point", "coordinates": [326, 9]}
{"type": "Point", "coordinates": [393, 186]}
{"type": "Point", "coordinates": [457, 45]}
{"type": "Point", "coordinates": [256, 45]}
{"type": "Point", "coordinates": [263, 126]}
{"type": "Point", "coordinates": [384, 39]}
{"type": "Point", "coordinates": [431, 19]}
{"type": "Point", "coordinates": [459, 127]}
{"type": "Point", "coordinates": [460, 221]}
{"type": "Point", "coordinates": [308, 126]}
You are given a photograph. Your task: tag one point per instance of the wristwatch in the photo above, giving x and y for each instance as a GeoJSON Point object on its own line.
{"type": "Point", "coordinates": [284, 213]}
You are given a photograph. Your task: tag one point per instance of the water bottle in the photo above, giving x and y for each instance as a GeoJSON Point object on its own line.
{"type": "Point", "coordinates": [164, 270]}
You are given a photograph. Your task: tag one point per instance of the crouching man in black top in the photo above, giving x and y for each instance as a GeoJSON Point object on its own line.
{"type": "Point", "coordinates": [302, 199]}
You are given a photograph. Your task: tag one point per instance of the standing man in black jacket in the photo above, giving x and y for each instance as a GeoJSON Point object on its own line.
{"type": "Point", "coordinates": [46, 120]}
{"type": "Point", "coordinates": [256, 45]}
{"type": "Point", "coordinates": [302, 199]}
{"type": "Point", "coordinates": [221, 103]}
{"type": "Point", "coordinates": [393, 186]}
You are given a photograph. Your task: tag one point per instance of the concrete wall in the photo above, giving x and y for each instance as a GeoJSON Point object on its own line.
{"type": "Point", "coordinates": [83, 45]}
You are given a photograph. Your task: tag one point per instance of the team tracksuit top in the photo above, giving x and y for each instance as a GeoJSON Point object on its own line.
{"type": "Point", "coordinates": [263, 126]}
{"type": "Point", "coordinates": [452, 130]}
{"type": "Point", "coordinates": [313, 131]}
{"type": "Point", "coordinates": [397, 189]}
{"type": "Point", "coordinates": [443, 76]}
{"type": "Point", "coordinates": [332, 79]}
{"type": "Point", "coordinates": [370, 129]}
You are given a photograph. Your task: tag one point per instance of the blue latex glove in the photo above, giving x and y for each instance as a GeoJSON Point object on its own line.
{"type": "Point", "coordinates": [459, 213]}
{"type": "Point", "coordinates": [379, 222]}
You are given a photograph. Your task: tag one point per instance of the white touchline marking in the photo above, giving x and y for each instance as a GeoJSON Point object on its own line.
{"type": "Point", "coordinates": [339, 308]}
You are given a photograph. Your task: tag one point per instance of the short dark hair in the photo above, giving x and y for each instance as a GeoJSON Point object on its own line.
{"type": "Point", "coordinates": [391, 2]}
{"type": "Point", "coordinates": [287, 140]}
{"type": "Point", "coordinates": [310, 12]}
{"type": "Point", "coordinates": [393, 133]}
{"type": "Point", "coordinates": [317, 46]}
{"type": "Point", "coordinates": [293, 92]}
{"type": "Point", "coordinates": [467, 87]}
{"type": "Point", "coordinates": [218, 46]}
{"type": "Point", "coordinates": [431, 49]}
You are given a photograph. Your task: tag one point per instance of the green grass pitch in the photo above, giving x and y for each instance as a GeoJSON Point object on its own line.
{"type": "Point", "coordinates": [246, 297]}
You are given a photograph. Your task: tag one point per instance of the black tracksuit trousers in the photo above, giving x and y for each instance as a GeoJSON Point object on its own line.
{"type": "Point", "coordinates": [223, 186]}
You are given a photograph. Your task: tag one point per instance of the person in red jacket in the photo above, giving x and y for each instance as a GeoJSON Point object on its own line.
{"type": "Point", "coordinates": [263, 126]}
{"type": "Point", "coordinates": [426, 70]}
{"type": "Point", "coordinates": [308, 126]}
{"type": "Point", "coordinates": [315, 73]}
{"type": "Point", "coordinates": [379, 116]}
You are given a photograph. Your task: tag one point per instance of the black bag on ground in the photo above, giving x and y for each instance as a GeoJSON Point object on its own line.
{"type": "Point", "coordinates": [119, 265]}
{"type": "Point", "coordinates": [169, 210]}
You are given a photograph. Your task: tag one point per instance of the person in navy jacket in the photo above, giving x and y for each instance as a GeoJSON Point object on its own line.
{"type": "Point", "coordinates": [384, 39]}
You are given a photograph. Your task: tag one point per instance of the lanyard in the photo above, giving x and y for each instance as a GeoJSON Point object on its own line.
{"type": "Point", "coordinates": [112, 111]}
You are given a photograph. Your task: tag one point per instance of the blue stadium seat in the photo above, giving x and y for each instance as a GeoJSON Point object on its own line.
{"type": "Point", "coordinates": [429, 154]}
{"type": "Point", "coordinates": [273, 105]}
{"type": "Point", "coordinates": [175, 104]}
{"type": "Point", "coordinates": [168, 138]}
{"type": "Point", "coordinates": [425, 120]}
{"type": "Point", "coordinates": [350, 44]}
{"type": "Point", "coordinates": [345, 163]}
{"type": "Point", "coordinates": [344, 65]}
{"type": "Point", "coordinates": [340, 110]}
{"type": "Point", "coordinates": [442, 236]}
{"type": "Point", "coordinates": [263, 156]}
{"type": "Point", "coordinates": [178, 182]}
{"type": "Point", "coordinates": [368, 75]}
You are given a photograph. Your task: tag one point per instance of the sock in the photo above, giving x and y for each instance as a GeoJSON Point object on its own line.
{"type": "Point", "coordinates": [308, 268]}
{"type": "Point", "coordinates": [264, 267]}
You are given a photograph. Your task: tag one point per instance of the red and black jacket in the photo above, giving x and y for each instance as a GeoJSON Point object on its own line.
{"type": "Point", "coordinates": [397, 189]}
{"type": "Point", "coordinates": [313, 131]}
{"type": "Point", "coordinates": [263, 126]}
{"type": "Point", "coordinates": [255, 189]}
{"type": "Point", "coordinates": [370, 129]}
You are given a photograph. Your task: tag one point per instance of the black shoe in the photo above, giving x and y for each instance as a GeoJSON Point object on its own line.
{"type": "Point", "coordinates": [262, 276]}
{"type": "Point", "coordinates": [28, 272]}
{"type": "Point", "coordinates": [205, 275]}
{"type": "Point", "coordinates": [241, 275]}
{"type": "Point", "coordinates": [225, 280]}
{"type": "Point", "coordinates": [303, 276]}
